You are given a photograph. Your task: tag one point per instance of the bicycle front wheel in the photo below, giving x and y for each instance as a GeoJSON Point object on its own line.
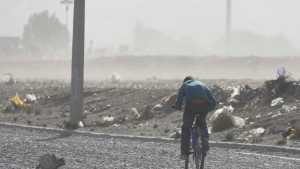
{"type": "Point", "coordinates": [197, 157]}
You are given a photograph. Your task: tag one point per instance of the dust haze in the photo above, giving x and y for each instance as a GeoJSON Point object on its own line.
{"type": "Point", "coordinates": [142, 39]}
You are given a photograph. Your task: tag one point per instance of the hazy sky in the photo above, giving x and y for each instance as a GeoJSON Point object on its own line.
{"type": "Point", "coordinates": [112, 21]}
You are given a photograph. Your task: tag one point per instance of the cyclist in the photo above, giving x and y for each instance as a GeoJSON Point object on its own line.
{"type": "Point", "coordinates": [198, 100]}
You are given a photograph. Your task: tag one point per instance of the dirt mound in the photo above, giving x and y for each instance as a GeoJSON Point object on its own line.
{"type": "Point", "coordinates": [272, 106]}
{"type": "Point", "coordinates": [144, 108]}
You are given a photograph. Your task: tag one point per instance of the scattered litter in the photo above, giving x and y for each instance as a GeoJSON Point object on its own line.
{"type": "Point", "coordinates": [17, 104]}
{"type": "Point", "coordinates": [80, 124]}
{"type": "Point", "coordinates": [108, 106]}
{"type": "Point", "coordinates": [239, 122]}
{"type": "Point", "coordinates": [116, 125]}
{"type": "Point", "coordinates": [235, 92]}
{"type": "Point", "coordinates": [136, 113]}
{"type": "Point", "coordinates": [257, 132]}
{"type": "Point", "coordinates": [143, 124]}
{"type": "Point", "coordinates": [295, 124]}
{"type": "Point", "coordinates": [157, 107]}
{"type": "Point", "coordinates": [108, 118]}
{"type": "Point", "coordinates": [277, 102]}
{"type": "Point", "coordinates": [276, 115]}
{"type": "Point", "coordinates": [290, 132]}
{"type": "Point", "coordinates": [209, 130]}
{"type": "Point", "coordinates": [176, 134]}
{"type": "Point", "coordinates": [259, 105]}
{"type": "Point", "coordinates": [288, 109]}
{"type": "Point", "coordinates": [258, 116]}
{"type": "Point", "coordinates": [17, 101]}
{"type": "Point", "coordinates": [30, 98]}
{"type": "Point", "coordinates": [9, 79]}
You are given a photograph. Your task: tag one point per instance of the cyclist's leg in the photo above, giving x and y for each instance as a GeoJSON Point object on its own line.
{"type": "Point", "coordinates": [204, 135]}
{"type": "Point", "coordinates": [188, 119]}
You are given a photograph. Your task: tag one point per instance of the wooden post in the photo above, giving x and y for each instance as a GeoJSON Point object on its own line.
{"type": "Point", "coordinates": [77, 63]}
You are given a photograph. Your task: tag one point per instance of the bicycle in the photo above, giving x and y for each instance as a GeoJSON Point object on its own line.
{"type": "Point", "coordinates": [196, 150]}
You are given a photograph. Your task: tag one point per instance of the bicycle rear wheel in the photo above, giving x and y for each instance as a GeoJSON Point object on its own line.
{"type": "Point", "coordinates": [197, 159]}
{"type": "Point", "coordinates": [186, 163]}
{"type": "Point", "coordinates": [202, 161]}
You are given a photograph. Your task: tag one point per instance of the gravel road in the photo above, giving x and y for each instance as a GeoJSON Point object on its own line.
{"type": "Point", "coordinates": [21, 148]}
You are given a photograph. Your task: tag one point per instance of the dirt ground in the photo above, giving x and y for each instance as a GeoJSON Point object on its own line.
{"type": "Point", "coordinates": [140, 107]}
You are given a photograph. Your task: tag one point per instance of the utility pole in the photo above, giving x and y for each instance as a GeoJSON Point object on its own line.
{"type": "Point", "coordinates": [67, 4]}
{"type": "Point", "coordinates": [77, 63]}
{"type": "Point", "coordinates": [228, 27]}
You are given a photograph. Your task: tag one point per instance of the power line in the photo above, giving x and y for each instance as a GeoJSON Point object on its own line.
{"type": "Point", "coordinates": [228, 26]}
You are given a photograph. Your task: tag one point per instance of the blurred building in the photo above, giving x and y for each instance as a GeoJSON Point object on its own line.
{"type": "Point", "coordinates": [245, 43]}
{"type": "Point", "coordinates": [149, 41]}
{"type": "Point", "coordinates": [10, 47]}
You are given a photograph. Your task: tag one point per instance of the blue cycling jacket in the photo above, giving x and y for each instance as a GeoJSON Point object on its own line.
{"type": "Point", "coordinates": [192, 90]}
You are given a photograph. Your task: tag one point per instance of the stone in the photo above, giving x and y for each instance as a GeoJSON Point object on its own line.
{"type": "Point", "coordinates": [222, 119]}
{"type": "Point", "coordinates": [50, 161]}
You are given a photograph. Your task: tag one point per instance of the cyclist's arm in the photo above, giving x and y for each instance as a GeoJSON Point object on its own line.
{"type": "Point", "coordinates": [211, 100]}
{"type": "Point", "coordinates": [180, 97]}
